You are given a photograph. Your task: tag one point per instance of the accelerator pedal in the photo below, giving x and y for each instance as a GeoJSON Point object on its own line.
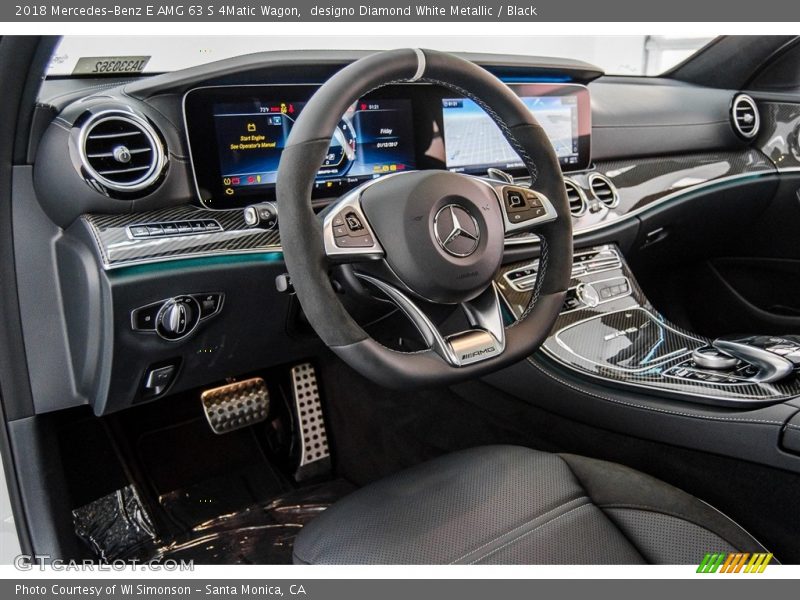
{"type": "Point", "coordinates": [315, 456]}
{"type": "Point", "coordinates": [236, 405]}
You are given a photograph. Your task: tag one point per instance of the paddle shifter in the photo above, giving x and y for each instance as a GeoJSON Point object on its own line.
{"type": "Point", "coordinates": [773, 358]}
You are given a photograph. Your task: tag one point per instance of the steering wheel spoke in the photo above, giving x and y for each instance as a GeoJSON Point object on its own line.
{"type": "Point", "coordinates": [485, 340]}
{"type": "Point", "coordinates": [347, 234]}
{"type": "Point", "coordinates": [523, 208]}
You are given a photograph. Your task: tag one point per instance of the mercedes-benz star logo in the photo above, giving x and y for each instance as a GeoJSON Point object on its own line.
{"type": "Point", "coordinates": [456, 230]}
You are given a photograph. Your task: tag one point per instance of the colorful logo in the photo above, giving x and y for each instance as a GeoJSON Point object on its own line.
{"type": "Point", "coordinates": [737, 562]}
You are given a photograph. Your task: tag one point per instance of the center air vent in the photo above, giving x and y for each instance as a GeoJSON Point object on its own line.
{"type": "Point", "coordinates": [576, 197]}
{"type": "Point", "coordinates": [744, 116]}
{"type": "Point", "coordinates": [603, 190]}
{"type": "Point", "coordinates": [121, 152]}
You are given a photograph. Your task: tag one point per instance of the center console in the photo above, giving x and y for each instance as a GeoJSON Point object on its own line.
{"type": "Point", "coordinates": [608, 330]}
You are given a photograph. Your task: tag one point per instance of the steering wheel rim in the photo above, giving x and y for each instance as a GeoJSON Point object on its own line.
{"type": "Point", "coordinates": [307, 249]}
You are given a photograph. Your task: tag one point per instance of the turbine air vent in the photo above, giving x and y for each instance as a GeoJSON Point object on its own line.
{"type": "Point", "coordinates": [744, 116]}
{"type": "Point", "coordinates": [121, 151]}
{"type": "Point", "coordinates": [576, 197]}
{"type": "Point", "coordinates": [603, 190]}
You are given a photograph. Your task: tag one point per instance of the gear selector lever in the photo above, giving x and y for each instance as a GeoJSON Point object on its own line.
{"type": "Point", "coordinates": [774, 357]}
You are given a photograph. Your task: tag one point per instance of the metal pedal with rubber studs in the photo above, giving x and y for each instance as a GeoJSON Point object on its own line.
{"type": "Point", "coordinates": [315, 456]}
{"type": "Point", "coordinates": [236, 405]}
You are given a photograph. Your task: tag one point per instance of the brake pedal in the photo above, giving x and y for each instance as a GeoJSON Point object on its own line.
{"type": "Point", "coordinates": [315, 456]}
{"type": "Point", "coordinates": [236, 405]}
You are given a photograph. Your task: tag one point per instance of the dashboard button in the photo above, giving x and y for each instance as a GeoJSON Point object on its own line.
{"type": "Point", "coordinates": [210, 304]}
{"type": "Point", "coordinates": [157, 380]}
{"type": "Point", "coordinates": [144, 319]}
{"type": "Point", "coordinates": [155, 230]}
{"type": "Point", "coordinates": [139, 231]}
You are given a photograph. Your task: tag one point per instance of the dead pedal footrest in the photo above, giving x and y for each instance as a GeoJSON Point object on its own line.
{"type": "Point", "coordinates": [236, 405]}
{"type": "Point", "coordinates": [315, 457]}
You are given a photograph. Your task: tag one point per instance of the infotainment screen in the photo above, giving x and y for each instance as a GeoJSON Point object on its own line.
{"type": "Point", "coordinates": [373, 138]}
{"type": "Point", "coordinates": [474, 143]}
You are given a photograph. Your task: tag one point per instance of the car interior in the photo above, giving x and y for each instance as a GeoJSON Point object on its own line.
{"type": "Point", "coordinates": [402, 307]}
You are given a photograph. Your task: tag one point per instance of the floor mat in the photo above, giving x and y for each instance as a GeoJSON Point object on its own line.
{"type": "Point", "coordinates": [258, 534]}
{"type": "Point", "coordinates": [218, 499]}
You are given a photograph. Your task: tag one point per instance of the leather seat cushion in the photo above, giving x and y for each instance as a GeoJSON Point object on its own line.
{"type": "Point", "coordinates": [514, 505]}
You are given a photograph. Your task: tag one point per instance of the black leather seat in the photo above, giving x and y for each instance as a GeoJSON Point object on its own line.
{"type": "Point", "coordinates": [513, 505]}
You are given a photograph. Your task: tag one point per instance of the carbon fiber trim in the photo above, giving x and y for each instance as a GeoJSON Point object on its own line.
{"type": "Point", "coordinates": [780, 134]}
{"type": "Point", "coordinates": [626, 342]}
{"type": "Point", "coordinates": [117, 248]}
{"type": "Point", "coordinates": [647, 182]}
{"type": "Point", "coordinates": [641, 184]}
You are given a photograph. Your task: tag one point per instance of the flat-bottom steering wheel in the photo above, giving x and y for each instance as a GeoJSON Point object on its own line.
{"type": "Point", "coordinates": [431, 235]}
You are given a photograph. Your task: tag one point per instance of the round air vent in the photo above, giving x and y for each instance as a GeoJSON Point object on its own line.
{"type": "Point", "coordinates": [603, 190]}
{"type": "Point", "coordinates": [744, 116]}
{"type": "Point", "coordinates": [576, 197]}
{"type": "Point", "coordinates": [121, 151]}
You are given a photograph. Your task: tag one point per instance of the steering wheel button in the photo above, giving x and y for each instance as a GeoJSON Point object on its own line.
{"type": "Point", "coordinates": [526, 215]}
{"type": "Point", "coordinates": [533, 200]}
{"type": "Point", "coordinates": [353, 222]}
{"type": "Point", "coordinates": [360, 241]}
{"type": "Point", "coordinates": [515, 200]}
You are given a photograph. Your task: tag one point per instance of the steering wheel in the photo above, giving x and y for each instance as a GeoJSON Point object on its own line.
{"type": "Point", "coordinates": [430, 235]}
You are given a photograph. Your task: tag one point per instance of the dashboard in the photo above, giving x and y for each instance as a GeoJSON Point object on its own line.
{"type": "Point", "coordinates": [236, 135]}
{"type": "Point", "coordinates": [159, 223]}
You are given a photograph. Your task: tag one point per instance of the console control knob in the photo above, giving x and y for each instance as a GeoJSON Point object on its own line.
{"type": "Point", "coordinates": [753, 350]}
{"type": "Point", "coordinates": [178, 317]}
{"type": "Point", "coordinates": [708, 357]}
{"type": "Point", "coordinates": [588, 295]}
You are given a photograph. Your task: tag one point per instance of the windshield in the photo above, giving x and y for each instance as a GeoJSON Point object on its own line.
{"type": "Point", "coordinates": [616, 55]}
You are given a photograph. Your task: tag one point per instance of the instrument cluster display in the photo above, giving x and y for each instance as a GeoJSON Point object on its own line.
{"type": "Point", "coordinates": [373, 138]}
